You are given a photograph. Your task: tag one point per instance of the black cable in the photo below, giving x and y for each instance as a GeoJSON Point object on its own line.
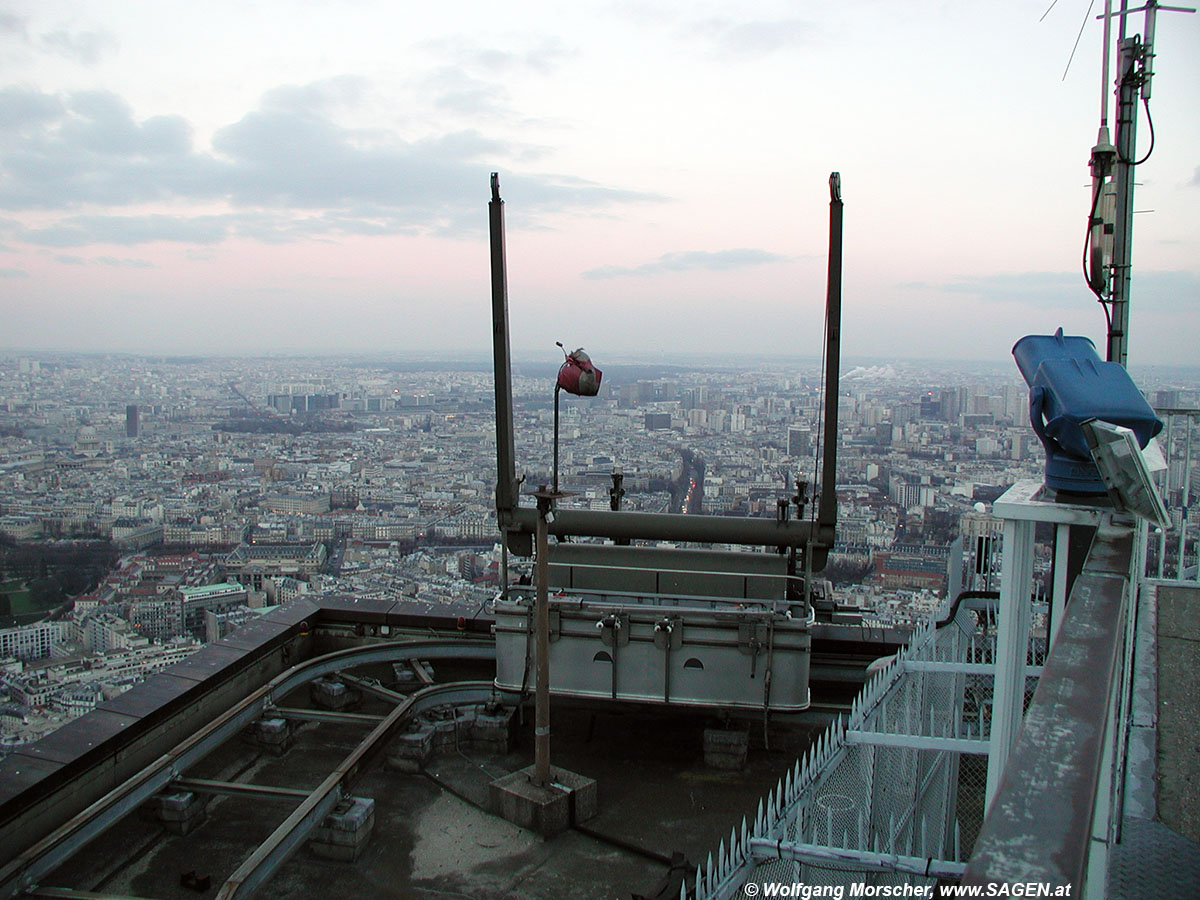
{"type": "Point", "coordinates": [1087, 240]}
{"type": "Point", "coordinates": [1150, 125]}
{"type": "Point", "coordinates": [1107, 317]}
{"type": "Point", "coordinates": [964, 595]}
{"type": "Point", "coordinates": [622, 844]}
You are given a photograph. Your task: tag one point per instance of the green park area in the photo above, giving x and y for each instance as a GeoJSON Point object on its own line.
{"type": "Point", "coordinates": [16, 600]}
{"type": "Point", "coordinates": [39, 577]}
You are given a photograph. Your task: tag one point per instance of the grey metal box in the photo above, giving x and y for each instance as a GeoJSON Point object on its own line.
{"type": "Point", "coordinates": [711, 647]}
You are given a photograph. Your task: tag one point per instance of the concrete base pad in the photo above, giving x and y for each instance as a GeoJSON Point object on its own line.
{"type": "Point", "coordinates": [726, 748]}
{"type": "Point", "coordinates": [548, 810]}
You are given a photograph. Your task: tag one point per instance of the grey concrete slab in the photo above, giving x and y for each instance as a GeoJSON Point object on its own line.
{"type": "Point", "coordinates": [1179, 734]}
{"type": "Point", "coordinates": [364, 605]}
{"type": "Point", "coordinates": [1179, 612]}
{"type": "Point", "coordinates": [294, 613]}
{"type": "Point", "coordinates": [540, 808]}
{"type": "Point", "coordinates": [79, 737]}
{"type": "Point", "coordinates": [255, 634]}
{"type": "Point", "coordinates": [207, 662]}
{"type": "Point", "coordinates": [20, 771]}
{"type": "Point", "coordinates": [1140, 771]}
{"type": "Point", "coordinates": [152, 694]}
{"type": "Point", "coordinates": [1145, 666]}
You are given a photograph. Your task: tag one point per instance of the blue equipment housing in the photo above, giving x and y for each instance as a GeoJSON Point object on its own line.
{"type": "Point", "coordinates": [1068, 385]}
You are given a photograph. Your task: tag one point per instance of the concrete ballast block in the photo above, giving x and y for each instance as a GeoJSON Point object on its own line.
{"type": "Point", "coordinates": [726, 748]}
{"type": "Point", "coordinates": [344, 832]}
{"type": "Point", "coordinates": [328, 693]}
{"type": "Point", "coordinates": [275, 735]}
{"type": "Point", "coordinates": [410, 752]}
{"type": "Point", "coordinates": [177, 811]}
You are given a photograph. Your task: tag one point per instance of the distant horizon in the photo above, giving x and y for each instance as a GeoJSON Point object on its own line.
{"type": "Point", "coordinates": [483, 359]}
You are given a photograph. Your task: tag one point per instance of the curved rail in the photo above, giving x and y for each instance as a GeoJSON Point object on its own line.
{"type": "Point", "coordinates": [24, 871]}
{"type": "Point", "coordinates": [261, 864]}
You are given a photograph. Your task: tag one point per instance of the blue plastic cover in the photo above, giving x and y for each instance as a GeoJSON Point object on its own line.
{"type": "Point", "coordinates": [1068, 385]}
{"type": "Point", "coordinates": [1076, 390]}
{"type": "Point", "coordinates": [1032, 350]}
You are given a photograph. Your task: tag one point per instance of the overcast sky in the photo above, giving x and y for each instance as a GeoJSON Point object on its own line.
{"type": "Point", "coordinates": [313, 176]}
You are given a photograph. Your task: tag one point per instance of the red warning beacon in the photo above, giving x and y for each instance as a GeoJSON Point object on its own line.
{"type": "Point", "coordinates": [578, 376]}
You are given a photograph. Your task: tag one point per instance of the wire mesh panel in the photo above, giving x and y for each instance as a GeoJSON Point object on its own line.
{"type": "Point", "coordinates": [891, 794]}
{"type": "Point", "coordinates": [1171, 553]}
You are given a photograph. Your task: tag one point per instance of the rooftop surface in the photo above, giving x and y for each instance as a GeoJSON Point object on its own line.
{"type": "Point", "coordinates": [432, 837]}
{"type": "Point", "coordinates": [657, 797]}
{"type": "Point", "coordinates": [1178, 712]}
{"type": "Point", "coordinates": [1159, 849]}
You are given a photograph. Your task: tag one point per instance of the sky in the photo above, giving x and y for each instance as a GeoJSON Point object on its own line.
{"type": "Point", "coordinates": [274, 177]}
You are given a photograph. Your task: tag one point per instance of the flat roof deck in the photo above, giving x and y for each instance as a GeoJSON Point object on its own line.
{"type": "Point", "coordinates": [431, 837]}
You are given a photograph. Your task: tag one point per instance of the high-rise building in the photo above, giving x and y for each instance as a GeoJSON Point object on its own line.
{"type": "Point", "coordinates": [1167, 399]}
{"type": "Point", "coordinates": [931, 406]}
{"type": "Point", "coordinates": [953, 404]}
{"type": "Point", "coordinates": [798, 441]}
{"type": "Point", "coordinates": [131, 420]}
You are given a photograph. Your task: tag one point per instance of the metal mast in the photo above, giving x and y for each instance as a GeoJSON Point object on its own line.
{"type": "Point", "coordinates": [1135, 71]}
{"type": "Point", "coordinates": [1118, 337]}
{"type": "Point", "coordinates": [827, 509]}
{"type": "Point", "coordinates": [506, 488]}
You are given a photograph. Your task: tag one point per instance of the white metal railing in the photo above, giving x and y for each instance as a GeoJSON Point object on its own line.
{"type": "Point", "coordinates": [1056, 809]}
{"type": "Point", "coordinates": [895, 793]}
{"type": "Point", "coordinates": [1171, 553]}
{"type": "Point", "coordinates": [891, 794]}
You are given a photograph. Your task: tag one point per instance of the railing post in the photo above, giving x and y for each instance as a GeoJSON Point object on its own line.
{"type": "Point", "coordinates": [1012, 647]}
{"type": "Point", "coordinates": [1175, 486]}
{"type": "Point", "coordinates": [1060, 584]}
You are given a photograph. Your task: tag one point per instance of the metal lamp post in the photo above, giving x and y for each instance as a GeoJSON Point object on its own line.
{"type": "Point", "coordinates": [541, 624]}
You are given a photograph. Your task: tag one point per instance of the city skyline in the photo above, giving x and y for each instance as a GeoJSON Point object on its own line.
{"type": "Point", "coordinates": [281, 179]}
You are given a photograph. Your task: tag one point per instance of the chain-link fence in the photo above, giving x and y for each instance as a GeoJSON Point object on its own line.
{"type": "Point", "coordinates": [893, 793]}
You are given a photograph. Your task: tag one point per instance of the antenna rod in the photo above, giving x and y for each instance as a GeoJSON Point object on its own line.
{"type": "Point", "coordinates": [506, 467]}
{"type": "Point", "coordinates": [1148, 48]}
{"type": "Point", "coordinates": [1104, 63]}
{"type": "Point", "coordinates": [827, 515]}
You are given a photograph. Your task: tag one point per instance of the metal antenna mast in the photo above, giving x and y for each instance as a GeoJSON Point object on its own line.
{"type": "Point", "coordinates": [1134, 72]}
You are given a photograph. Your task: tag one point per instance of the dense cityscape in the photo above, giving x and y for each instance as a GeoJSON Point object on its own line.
{"type": "Point", "coordinates": [149, 505]}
